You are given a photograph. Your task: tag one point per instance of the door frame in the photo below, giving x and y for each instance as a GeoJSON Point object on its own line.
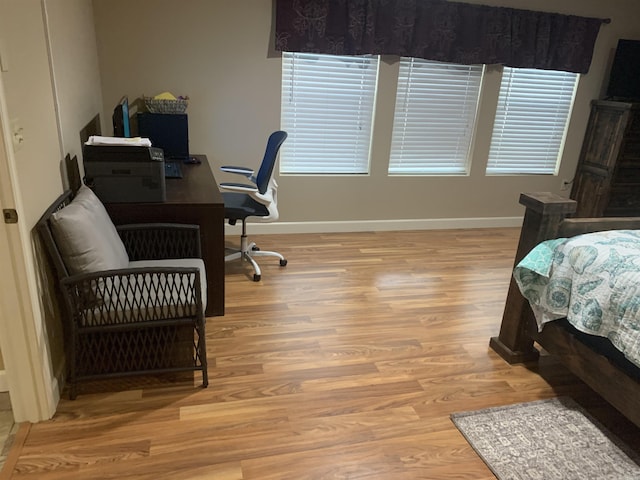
{"type": "Point", "coordinates": [22, 339]}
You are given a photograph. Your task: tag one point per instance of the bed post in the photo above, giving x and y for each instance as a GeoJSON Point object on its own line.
{"type": "Point", "coordinates": [542, 217]}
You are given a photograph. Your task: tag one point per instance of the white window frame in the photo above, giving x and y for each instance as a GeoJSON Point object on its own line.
{"type": "Point", "coordinates": [531, 122]}
{"type": "Point", "coordinates": [435, 117]}
{"type": "Point", "coordinates": [328, 104]}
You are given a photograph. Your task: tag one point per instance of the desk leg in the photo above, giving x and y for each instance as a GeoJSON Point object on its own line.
{"type": "Point", "coordinates": [212, 231]}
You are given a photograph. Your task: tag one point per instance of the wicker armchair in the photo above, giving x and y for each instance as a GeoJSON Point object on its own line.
{"type": "Point", "coordinates": [144, 316]}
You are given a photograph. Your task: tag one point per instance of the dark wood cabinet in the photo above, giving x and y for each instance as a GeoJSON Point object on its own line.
{"type": "Point", "coordinates": [607, 181]}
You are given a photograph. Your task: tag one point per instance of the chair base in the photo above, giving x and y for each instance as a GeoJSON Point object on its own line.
{"type": "Point", "coordinates": [248, 250]}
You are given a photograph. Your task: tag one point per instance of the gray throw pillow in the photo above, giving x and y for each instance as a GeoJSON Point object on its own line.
{"type": "Point", "coordinates": [86, 236]}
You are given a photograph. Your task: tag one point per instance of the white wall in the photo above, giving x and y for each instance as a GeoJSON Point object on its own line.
{"type": "Point", "coordinates": [218, 54]}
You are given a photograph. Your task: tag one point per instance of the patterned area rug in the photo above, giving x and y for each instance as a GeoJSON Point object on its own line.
{"type": "Point", "coordinates": [544, 440]}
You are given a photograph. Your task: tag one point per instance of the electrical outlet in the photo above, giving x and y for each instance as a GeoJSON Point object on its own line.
{"type": "Point", "coordinates": [564, 186]}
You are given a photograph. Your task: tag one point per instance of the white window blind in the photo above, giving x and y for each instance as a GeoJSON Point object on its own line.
{"type": "Point", "coordinates": [531, 121]}
{"type": "Point", "coordinates": [436, 105]}
{"type": "Point", "coordinates": [327, 109]}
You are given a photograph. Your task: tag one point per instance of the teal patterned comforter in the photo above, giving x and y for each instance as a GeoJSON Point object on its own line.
{"type": "Point", "coordinates": [593, 280]}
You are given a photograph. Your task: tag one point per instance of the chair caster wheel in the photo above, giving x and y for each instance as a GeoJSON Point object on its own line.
{"type": "Point", "coordinates": [256, 277]}
{"type": "Point", "coordinates": [283, 263]}
{"type": "Point", "coordinates": [255, 248]}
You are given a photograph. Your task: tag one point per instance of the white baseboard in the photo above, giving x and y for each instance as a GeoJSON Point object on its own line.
{"type": "Point", "coordinates": [4, 384]}
{"type": "Point", "coordinates": [376, 225]}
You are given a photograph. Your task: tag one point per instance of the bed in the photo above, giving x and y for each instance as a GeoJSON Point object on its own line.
{"type": "Point", "coordinates": [593, 359]}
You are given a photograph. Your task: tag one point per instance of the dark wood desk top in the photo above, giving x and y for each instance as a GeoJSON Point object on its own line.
{"type": "Point", "coordinates": [197, 186]}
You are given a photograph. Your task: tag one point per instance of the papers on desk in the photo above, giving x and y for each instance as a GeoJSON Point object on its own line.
{"type": "Point", "coordinates": [119, 141]}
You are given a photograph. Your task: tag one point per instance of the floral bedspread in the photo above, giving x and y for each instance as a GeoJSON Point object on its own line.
{"type": "Point", "coordinates": [593, 280]}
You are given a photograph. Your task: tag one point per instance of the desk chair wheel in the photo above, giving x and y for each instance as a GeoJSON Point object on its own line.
{"type": "Point", "coordinates": [255, 248]}
{"type": "Point", "coordinates": [256, 277]}
{"type": "Point", "coordinates": [283, 262]}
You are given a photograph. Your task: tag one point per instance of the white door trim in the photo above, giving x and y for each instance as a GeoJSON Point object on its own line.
{"type": "Point", "coordinates": [21, 339]}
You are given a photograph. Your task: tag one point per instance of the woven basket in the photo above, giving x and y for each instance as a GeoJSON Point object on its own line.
{"type": "Point", "coordinates": [166, 106]}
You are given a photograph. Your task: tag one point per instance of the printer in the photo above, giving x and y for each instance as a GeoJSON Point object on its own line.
{"type": "Point", "coordinates": [125, 173]}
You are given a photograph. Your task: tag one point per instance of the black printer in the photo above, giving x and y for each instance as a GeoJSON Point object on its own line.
{"type": "Point", "coordinates": [124, 173]}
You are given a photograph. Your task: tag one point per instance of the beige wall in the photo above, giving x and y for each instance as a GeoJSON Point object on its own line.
{"type": "Point", "coordinates": [77, 96]}
{"type": "Point", "coordinates": [75, 68]}
{"type": "Point", "coordinates": [217, 52]}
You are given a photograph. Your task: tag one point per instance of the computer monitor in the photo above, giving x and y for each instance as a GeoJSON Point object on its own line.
{"type": "Point", "coordinates": [121, 125]}
{"type": "Point", "coordinates": [170, 132]}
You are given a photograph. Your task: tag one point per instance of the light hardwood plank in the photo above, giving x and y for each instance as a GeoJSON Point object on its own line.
{"type": "Point", "coordinates": [345, 364]}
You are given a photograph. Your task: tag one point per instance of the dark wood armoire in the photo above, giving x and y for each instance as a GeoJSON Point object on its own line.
{"type": "Point", "coordinates": [607, 181]}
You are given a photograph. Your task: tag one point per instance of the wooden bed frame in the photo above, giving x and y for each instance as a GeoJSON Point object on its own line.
{"type": "Point", "coordinates": [546, 217]}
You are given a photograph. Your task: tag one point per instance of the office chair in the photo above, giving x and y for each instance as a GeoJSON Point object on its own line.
{"type": "Point", "coordinates": [256, 200]}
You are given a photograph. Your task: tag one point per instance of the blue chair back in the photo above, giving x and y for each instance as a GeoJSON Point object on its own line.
{"type": "Point", "coordinates": [276, 139]}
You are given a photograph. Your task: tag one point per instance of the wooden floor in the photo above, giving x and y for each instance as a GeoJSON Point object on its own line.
{"type": "Point", "coordinates": [346, 364]}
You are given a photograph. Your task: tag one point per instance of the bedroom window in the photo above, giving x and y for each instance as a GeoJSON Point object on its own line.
{"type": "Point", "coordinates": [327, 109]}
{"type": "Point", "coordinates": [435, 117]}
{"type": "Point", "coordinates": [531, 121]}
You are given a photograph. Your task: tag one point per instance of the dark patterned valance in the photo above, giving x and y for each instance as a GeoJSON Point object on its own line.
{"type": "Point", "coordinates": [438, 30]}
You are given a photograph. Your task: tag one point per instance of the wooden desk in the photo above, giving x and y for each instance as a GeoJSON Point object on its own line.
{"type": "Point", "coordinates": [193, 199]}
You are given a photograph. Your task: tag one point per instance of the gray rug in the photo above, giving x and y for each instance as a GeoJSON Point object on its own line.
{"type": "Point", "coordinates": [545, 440]}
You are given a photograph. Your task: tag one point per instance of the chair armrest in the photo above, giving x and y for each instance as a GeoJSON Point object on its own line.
{"type": "Point", "coordinates": [244, 171]}
{"type": "Point", "coordinates": [247, 172]}
{"type": "Point", "coordinates": [133, 295]}
{"type": "Point", "coordinates": [153, 241]}
{"type": "Point", "coordinates": [239, 187]}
